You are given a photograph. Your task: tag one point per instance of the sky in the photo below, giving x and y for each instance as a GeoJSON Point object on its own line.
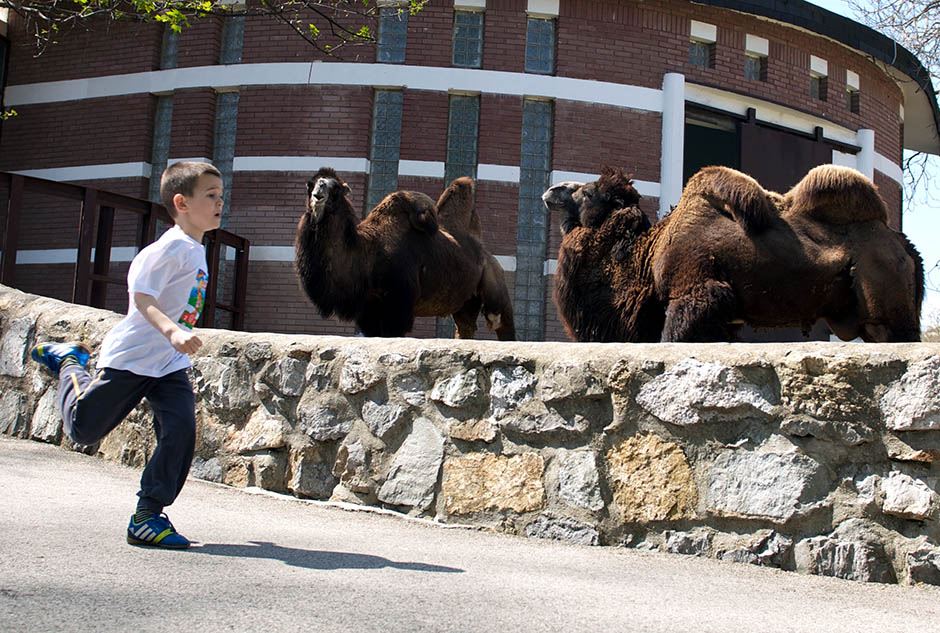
{"type": "Point", "coordinates": [921, 219]}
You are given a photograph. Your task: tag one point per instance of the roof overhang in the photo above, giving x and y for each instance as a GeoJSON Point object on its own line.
{"type": "Point", "coordinates": [921, 113]}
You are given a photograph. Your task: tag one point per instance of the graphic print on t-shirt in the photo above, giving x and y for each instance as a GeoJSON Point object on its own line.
{"type": "Point", "coordinates": [197, 297]}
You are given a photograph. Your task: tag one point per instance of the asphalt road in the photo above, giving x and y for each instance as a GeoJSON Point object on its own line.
{"type": "Point", "coordinates": [272, 563]}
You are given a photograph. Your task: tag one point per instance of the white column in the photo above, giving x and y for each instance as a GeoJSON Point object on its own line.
{"type": "Point", "coordinates": [673, 149]}
{"type": "Point", "coordinates": [866, 155]}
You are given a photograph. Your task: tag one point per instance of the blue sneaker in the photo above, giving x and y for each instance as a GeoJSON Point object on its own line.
{"type": "Point", "coordinates": [51, 355]}
{"type": "Point", "coordinates": [157, 531]}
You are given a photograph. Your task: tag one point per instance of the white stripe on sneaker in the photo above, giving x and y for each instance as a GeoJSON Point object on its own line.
{"type": "Point", "coordinates": [144, 533]}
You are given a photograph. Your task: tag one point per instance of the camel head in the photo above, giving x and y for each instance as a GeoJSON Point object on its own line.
{"type": "Point", "coordinates": [597, 200]}
{"type": "Point", "coordinates": [324, 190]}
{"type": "Point", "coordinates": [560, 198]}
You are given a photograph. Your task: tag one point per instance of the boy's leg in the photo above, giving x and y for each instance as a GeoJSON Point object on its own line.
{"type": "Point", "coordinates": [92, 406]}
{"type": "Point", "coordinates": [174, 408]}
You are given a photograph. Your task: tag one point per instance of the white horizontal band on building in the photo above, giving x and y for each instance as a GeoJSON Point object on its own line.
{"type": "Point", "coordinates": [256, 254]}
{"type": "Point", "coordinates": [416, 77]}
{"type": "Point", "coordinates": [342, 74]}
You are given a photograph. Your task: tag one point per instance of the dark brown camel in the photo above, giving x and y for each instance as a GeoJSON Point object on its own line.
{"type": "Point", "coordinates": [733, 253]}
{"type": "Point", "coordinates": [394, 265]}
{"type": "Point", "coordinates": [457, 213]}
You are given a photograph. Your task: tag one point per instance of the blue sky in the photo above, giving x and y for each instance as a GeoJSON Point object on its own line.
{"type": "Point", "coordinates": [921, 216]}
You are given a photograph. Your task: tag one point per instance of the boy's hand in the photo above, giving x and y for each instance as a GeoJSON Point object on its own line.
{"type": "Point", "coordinates": [182, 341]}
{"type": "Point", "coordinates": [185, 342]}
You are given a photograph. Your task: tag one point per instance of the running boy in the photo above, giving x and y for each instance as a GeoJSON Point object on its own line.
{"type": "Point", "coordinates": [146, 354]}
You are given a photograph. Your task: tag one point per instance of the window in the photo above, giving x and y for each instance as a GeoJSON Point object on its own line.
{"type": "Point", "coordinates": [462, 134]}
{"type": "Point", "coordinates": [540, 46]}
{"type": "Point", "coordinates": [818, 87]}
{"type": "Point", "coordinates": [852, 94]}
{"type": "Point", "coordinates": [702, 54]}
{"type": "Point", "coordinates": [386, 141]}
{"type": "Point", "coordinates": [702, 38]}
{"type": "Point", "coordinates": [852, 100]}
{"type": "Point", "coordinates": [468, 39]}
{"type": "Point", "coordinates": [756, 51]}
{"type": "Point", "coordinates": [393, 35]}
{"type": "Point", "coordinates": [818, 78]}
{"type": "Point", "coordinates": [755, 68]}
{"type": "Point", "coordinates": [532, 222]}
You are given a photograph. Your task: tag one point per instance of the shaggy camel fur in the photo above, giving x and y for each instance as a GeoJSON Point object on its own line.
{"type": "Point", "coordinates": [392, 266]}
{"type": "Point", "coordinates": [733, 253]}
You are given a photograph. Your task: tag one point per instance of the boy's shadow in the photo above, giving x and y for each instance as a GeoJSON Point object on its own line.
{"type": "Point", "coordinates": [313, 559]}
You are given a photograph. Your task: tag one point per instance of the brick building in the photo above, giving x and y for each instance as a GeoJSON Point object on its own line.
{"type": "Point", "coordinates": [517, 93]}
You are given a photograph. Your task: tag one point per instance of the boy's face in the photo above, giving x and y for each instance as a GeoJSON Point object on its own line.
{"type": "Point", "coordinates": [203, 210]}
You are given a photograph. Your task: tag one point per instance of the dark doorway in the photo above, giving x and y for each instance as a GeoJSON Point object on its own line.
{"type": "Point", "coordinates": [778, 159]}
{"type": "Point", "coordinates": [710, 139]}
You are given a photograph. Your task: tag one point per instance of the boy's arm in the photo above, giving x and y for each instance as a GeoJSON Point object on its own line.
{"type": "Point", "coordinates": [183, 342]}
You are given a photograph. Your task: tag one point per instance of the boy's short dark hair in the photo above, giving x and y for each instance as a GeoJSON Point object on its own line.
{"type": "Point", "coordinates": [182, 178]}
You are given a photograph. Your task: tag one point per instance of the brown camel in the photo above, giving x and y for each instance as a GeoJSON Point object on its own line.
{"type": "Point", "coordinates": [457, 212]}
{"type": "Point", "coordinates": [394, 265]}
{"type": "Point", "coordinates": [733, 253]}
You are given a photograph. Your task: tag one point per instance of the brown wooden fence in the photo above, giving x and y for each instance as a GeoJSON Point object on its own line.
{"type": "Point", "coordinates": [96, 223]}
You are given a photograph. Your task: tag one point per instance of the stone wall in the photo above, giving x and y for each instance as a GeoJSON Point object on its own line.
{"type": "Point", "coordinates": [821, 458]}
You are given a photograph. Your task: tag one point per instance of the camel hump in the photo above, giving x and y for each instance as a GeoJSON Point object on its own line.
{"type": "Point", "coordinates": [837, 195]}
{"type": "Point", "coordinates": [457, 209]}
{"type": "Point", "coordinates": [736, 194]}
{"type": "Point", "coordinates": [412, 206]}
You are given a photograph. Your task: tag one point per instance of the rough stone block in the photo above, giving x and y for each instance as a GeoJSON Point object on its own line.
{"type": "Point", "coordinates": [763, 485]}
{"type": "Point", "coordinates": [651, 480]}
{"type": "Point", "coordinates": [923, 565]}
{"type": "Point", "coordinates": [908, 498]}
{"type": "Point", "coordinates": [562, 529]}
{"type": "Point", "coordinates": [311, 474]}
{"type": "Point", "coordinates": [12, 414]}
{"type": "Point", "coordinates": [854, 551]}
{"type": "Point", "coordinates": [913, 402]}
{"type": "Point", "coordinates": [510, 388]}
{"type": "Point", "coordinates": [358, 374]}
{"type": "Point", "coordinates": [264, 431]}
{"type": "Point", "coordinates": [46, 425]}
{"type": "Point", "coordinates": [324, 416]}
{"type": "Point", "coordinates": [382, 419]}
{"type": "Point", "coordinates": [412, 478]}
{"type": "Point", "coordinates": [17, 334]}
{"type": "Point", "coordinates": [693, 392]}
{"type": "Point", "coordinates": [472, 430]}
{"type": "Point", "coordinates": [578, 480]}
{"type": "Point", "coordinates": [461, 390]}
{"type": "Point", "coordinates": [566, 379]}
{"type": "Point", "coordinates": [480, 481]}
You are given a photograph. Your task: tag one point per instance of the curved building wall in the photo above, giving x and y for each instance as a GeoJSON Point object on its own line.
{"type": "Point", "coordinates": [112, 105]}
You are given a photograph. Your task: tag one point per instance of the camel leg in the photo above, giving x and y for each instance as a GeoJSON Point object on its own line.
{"type": "Point", "coordinates": [497, 306]}
{"type": "Point", "coordinates": [702, 315]}
{"type": "Point", "coordinates": [369, 322]}
{"type": "Point", "coordinates": [387, 317]}
{"type": "Point", "coordinates": [466, 318]}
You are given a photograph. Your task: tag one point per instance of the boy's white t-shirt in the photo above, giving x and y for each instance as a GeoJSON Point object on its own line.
{"type": "Point", "coordinates": [173, 270]}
